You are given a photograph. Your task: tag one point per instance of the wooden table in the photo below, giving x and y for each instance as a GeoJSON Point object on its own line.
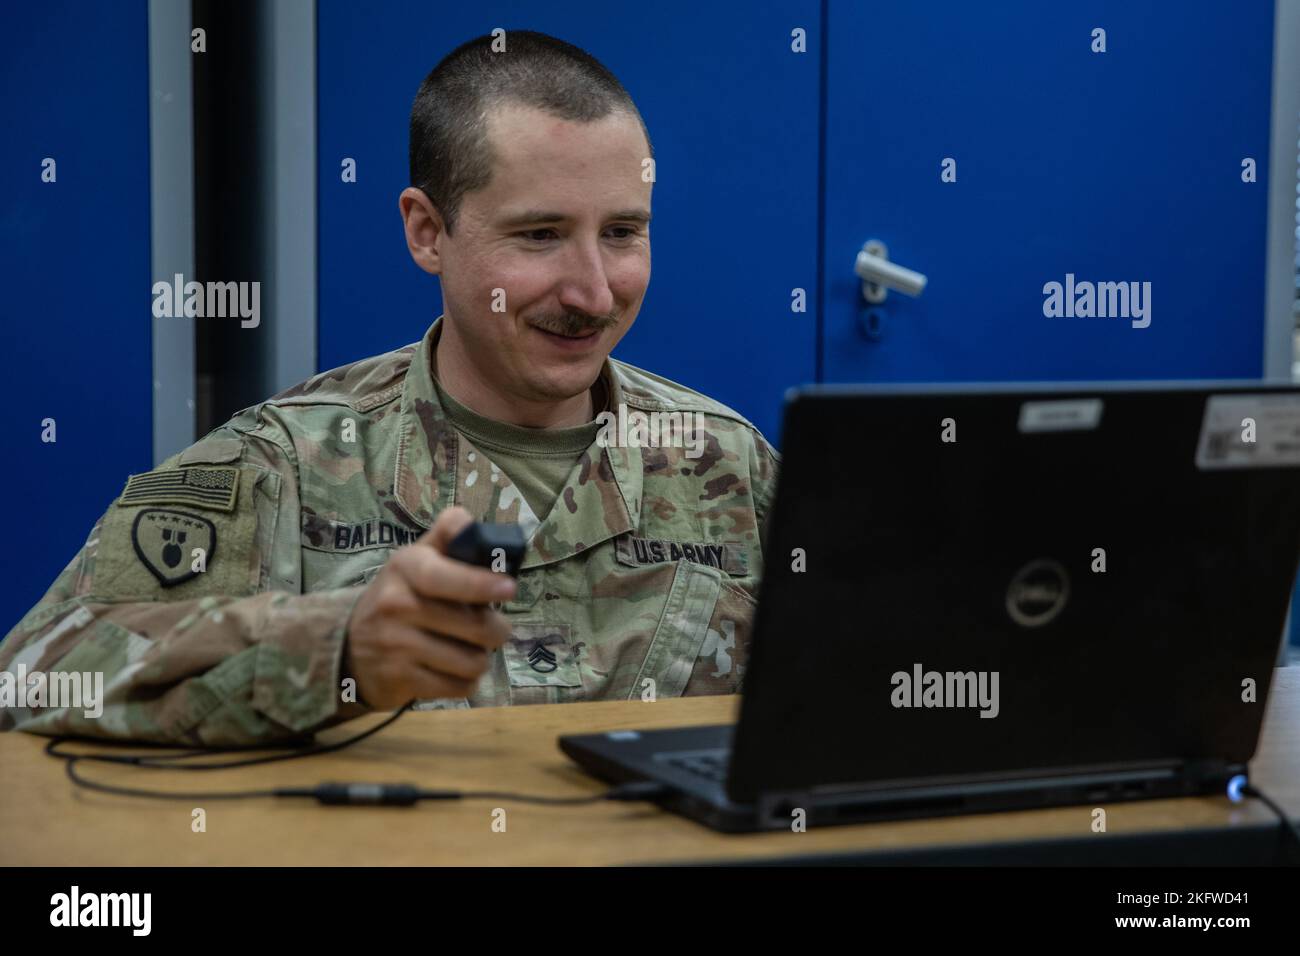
{"type": "Point", "coordinates": [44, 820]}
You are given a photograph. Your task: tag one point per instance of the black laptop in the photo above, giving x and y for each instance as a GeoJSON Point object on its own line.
{"type": "Point", "coordinates": [1012, 596]}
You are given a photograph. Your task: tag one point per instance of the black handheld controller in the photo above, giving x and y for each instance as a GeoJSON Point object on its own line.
{"type": "Point", "coordinates": [487, 545]}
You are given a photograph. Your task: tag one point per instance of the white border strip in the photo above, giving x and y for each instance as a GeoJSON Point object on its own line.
{"type": "Point", "coordinates": [171, 190]}
{"type": "Point", "coordinates": [289, 117]}
{"type": "Point", "coordinates": [1280, 291]}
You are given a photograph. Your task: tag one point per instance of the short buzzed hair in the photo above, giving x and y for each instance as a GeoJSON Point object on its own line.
{"type": "Point", "coordinates": [449, 150]}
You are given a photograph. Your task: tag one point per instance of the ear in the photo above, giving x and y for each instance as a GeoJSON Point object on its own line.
{"type": "Point", "coordinates": [423, 227]}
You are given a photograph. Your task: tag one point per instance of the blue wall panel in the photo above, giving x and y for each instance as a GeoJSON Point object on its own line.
{"type": "Point", "coordinates": [75, 315]}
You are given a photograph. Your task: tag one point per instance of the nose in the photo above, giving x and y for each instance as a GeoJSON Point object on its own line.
{"type": "Point", "coordinates": [585, 286]}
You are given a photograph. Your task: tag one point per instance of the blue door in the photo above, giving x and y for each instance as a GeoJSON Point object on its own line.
{"type": "Point", "coordinates": [998, 148]}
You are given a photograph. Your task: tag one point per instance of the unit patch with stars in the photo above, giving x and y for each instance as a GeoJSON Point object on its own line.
{"type": "Point", "coordinates": [166, 541]}
{"type": "Point", "coordinates": [167, 549]}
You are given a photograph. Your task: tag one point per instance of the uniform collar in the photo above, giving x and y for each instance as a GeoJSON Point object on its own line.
{"type": "Point", "coordinates": [438, 467]}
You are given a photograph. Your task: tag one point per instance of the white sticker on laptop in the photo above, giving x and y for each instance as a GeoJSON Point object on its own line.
{"type": "Point", "coordinates": [1250, 431]}
{"type": "Point", "coordinates": [1066, 415]}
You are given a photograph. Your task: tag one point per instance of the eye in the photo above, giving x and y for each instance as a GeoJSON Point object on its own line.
{"type": "Point", "coordinates": [629, 231]}
{"type": "Point", "coordinates": [537, 235]}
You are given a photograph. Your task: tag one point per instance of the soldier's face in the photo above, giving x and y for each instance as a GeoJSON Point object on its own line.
{"type": "Point", "coordinates": [560, 240]}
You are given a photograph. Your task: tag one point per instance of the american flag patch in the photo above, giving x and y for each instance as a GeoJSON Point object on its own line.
{"type": "Point", "coordinates": [205, 487]}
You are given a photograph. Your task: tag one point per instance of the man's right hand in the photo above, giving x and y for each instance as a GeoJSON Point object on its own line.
{"type": "Point", "coordinates": [423, 627]}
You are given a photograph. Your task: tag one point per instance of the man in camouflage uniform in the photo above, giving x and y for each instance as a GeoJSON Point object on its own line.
{"type": "Point", "coordinates": [286, 572]}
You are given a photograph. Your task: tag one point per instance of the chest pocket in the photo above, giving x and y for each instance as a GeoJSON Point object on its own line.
{"type": "Point", "coordinates": [682, 632]}
{"type": "Point", "coordinates": [700, 643]}
{"type": "Point", "coordinates": [637, 635]}
{"type": "Point", "coordinates": [720, 666]}
{"type": "Point", "coordinates": [539, 662]}
{"type": "Point", "coordinates": [619, 631]}
{"type": "Point", "coordinates": [324, 571]}
{"type": "Point", "coordinates": [541, 656]}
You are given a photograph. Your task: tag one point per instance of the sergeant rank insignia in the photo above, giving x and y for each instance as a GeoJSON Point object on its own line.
{"type": "Point", "coordinates": [542, 659]}
{"type": "Point", "coordinates": [165, 541]}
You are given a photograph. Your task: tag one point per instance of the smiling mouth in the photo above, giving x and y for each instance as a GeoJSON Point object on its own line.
{"type": "Point", "coordinates": [584, 334]}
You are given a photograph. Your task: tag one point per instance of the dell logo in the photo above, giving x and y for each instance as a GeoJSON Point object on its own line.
{"type": "Point", "coordinates": [1037, 593]}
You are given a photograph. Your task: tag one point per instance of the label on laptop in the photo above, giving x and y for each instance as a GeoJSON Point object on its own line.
{"type": "Point", "coordinates": [1060, 415]}
{"type": "Point", "coordinates": [1250, 431]}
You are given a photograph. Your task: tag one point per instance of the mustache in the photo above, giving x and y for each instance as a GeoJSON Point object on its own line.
{"type": "Point", "coordinates": [573, 323]}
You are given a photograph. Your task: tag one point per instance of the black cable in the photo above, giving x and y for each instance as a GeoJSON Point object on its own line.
{"type": "Point", "coordinates": [368, 794]}
{"type": "Point", "coordinates": [160, 761]}
{"type": "Point", "coordinates": [81, 781]}
{"type": "Point", "coordinates": [168, 762]}
{"type": "Point", "coordinates": [330, 794]}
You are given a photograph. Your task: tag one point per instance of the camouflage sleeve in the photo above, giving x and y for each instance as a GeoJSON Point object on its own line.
{"type": "Point", "coordinates": [181, 615]}
{"type": "Point", "coordinates": [763, 475]}
{"type": "Point", "coordinates": [764, 470]}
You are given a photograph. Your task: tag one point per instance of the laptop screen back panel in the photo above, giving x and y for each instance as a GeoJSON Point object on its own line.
{"type": "Point", "coordinates": [1085, 596]}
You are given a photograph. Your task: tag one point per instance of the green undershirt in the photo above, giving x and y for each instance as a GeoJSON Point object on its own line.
{"type": "Point", "coordinates": [537, 461]}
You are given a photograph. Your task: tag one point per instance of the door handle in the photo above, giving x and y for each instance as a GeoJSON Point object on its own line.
{"type": "Point", "coordinates": [879, 275]}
